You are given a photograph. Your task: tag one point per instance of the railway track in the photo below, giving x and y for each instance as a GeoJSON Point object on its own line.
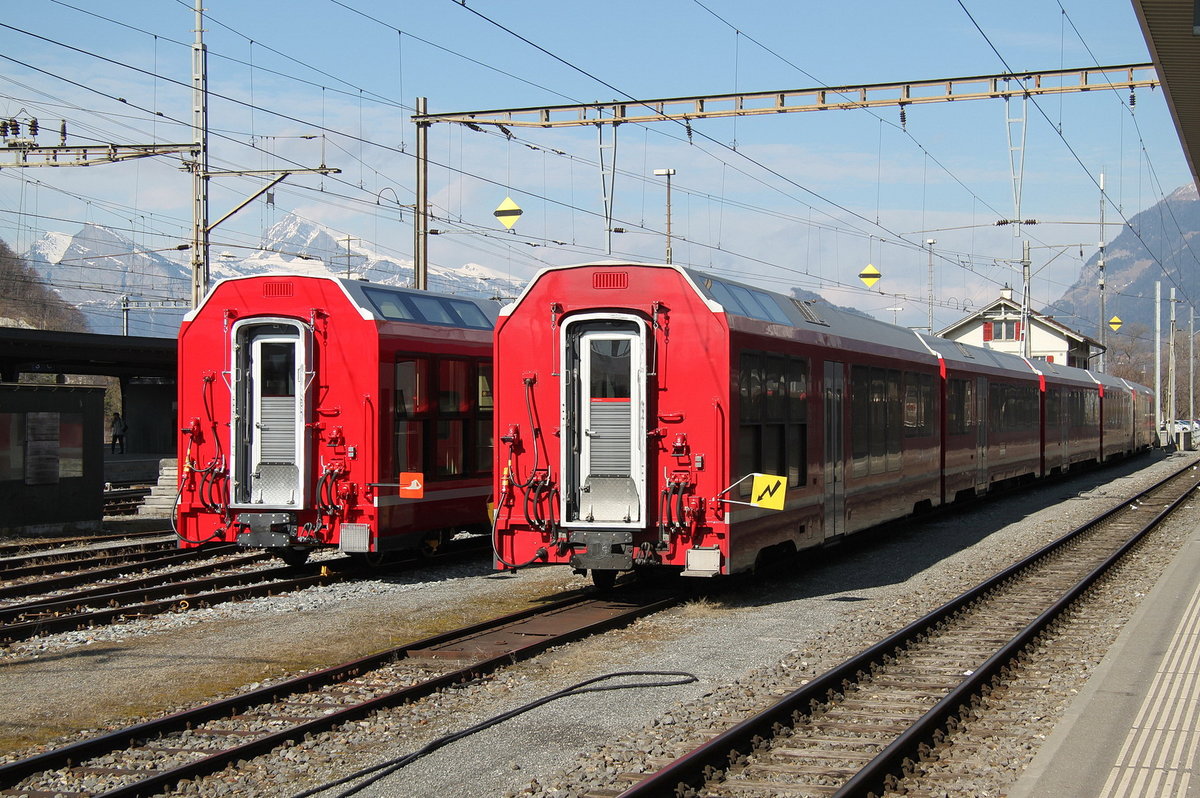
{"type": "Point", "coordinates": [865, 726]}
{"type": "Point", "coordinates": [152, 756]}
{"type": "Point", "coordinates": [111, 595]}
{"type": "Point", "coordinates": [30, 545]}
{"type": "Point", "coordinates": [86, 558]}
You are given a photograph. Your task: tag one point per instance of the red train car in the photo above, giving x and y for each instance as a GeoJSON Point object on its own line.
{"type": "Point", "coordinates": [321, 412]}
{"type": "Point", "coordinates": [635, 404]}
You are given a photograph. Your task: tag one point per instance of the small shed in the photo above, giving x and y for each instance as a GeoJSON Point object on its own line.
{"type": "Point", "coordinates": [51, 458]}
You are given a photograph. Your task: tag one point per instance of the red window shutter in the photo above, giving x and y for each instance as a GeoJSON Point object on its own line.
{"type": "Point", "coordinates": [1049, 358]}
{"type": "Point", "coordinates": [1017, 331]}
{"type": "Point", "coordinates": [987, 331]}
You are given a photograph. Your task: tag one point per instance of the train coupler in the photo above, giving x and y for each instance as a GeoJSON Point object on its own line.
{"type": "Point", "coordinates": [267, 530]}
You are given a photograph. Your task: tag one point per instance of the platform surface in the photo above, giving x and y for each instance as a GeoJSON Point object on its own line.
{"type": "Point", "coordinates": [1134, 729]}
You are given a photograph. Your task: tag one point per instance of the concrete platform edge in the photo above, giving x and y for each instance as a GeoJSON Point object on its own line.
{"type": "Point", "coordinates": [1079, 754]}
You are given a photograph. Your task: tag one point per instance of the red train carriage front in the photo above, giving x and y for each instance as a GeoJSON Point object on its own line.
{"type": "Point", "coordinates": [304, 400]}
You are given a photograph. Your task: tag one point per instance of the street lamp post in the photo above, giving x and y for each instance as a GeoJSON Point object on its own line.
{"type": "Point", "coordinates": [667, 173]}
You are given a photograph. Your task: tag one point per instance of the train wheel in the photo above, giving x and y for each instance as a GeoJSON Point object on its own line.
{"type": "Point", "coordinates": [293, 556]}
{"type": "Point", "coordinates": [604, 578]}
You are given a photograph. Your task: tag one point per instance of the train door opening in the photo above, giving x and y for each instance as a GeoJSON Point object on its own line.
{"type": "Point", "coordinates": [835, 454]}
{"type": "Point", "coordinates": [604, 422]}
{"type": "Point", "coordinates": [268, 457]}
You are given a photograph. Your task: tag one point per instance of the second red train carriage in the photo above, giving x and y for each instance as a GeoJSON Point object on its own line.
{"type": "Point", "coordinates": [635, 404]}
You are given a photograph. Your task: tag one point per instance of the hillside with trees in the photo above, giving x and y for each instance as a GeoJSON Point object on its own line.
{"type": "Point", "coordinates": [27, 302]}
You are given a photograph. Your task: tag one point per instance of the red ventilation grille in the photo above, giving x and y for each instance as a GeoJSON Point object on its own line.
{"type": "Point", "coordinates": [275, 290]}
{"type": "Point", "coordinates": [610, 280]}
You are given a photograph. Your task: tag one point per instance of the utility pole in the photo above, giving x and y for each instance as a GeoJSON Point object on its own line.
{"type": "Point", "coordinates": [1171, 409]}
{"type": "Point", "coordinates": [1025, 348]}
{"type": "Point", "coordinates": [421, 213]}
{"type": "Point", "coordinates": [347, 239]}
{"type": "Point", "coordinates": [1158, 417]}
{"type": "Point", "coordinates": [929, 242]}
{"type": "Point", "coordinates": [1100, 264]}
{"type": "Point", "coordinates": [199, 164]}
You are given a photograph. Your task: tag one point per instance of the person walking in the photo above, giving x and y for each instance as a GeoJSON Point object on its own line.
{"type": "Point", "coordinates": [118, 433]}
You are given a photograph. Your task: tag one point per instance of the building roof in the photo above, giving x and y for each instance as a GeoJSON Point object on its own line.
{"type": "Point", "coordinates": [988, 311]}
{"type": "Point", "coordinates": [1170, 28]}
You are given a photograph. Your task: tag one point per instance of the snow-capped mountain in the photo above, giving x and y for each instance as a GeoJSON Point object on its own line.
{"type": "Point", "coordinates": [97, 267]}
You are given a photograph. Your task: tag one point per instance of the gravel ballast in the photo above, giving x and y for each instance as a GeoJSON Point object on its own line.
{"type": "Point", "coordinates": [754, 641]}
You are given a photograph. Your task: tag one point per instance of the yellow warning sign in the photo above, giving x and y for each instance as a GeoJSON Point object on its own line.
{"type": "Point", "coordinates": [1115, 323]}
{"type": "Point", "coordinates": [508, 212]}
{"type": "Point", "coordinates": [768, 492]}
{"type": "Point", "coordinates": [869, 275]}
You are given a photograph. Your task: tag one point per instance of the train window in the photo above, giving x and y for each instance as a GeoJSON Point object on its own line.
{"type": "Point", "coordinates": [453, 396]}
{"type": "Point", "coordinates": [409, 453]}
{"type": "Point", "coordinates": [749, 455]}
{"type": "Point", "coordinates": [894, 424]}
{"type": "Point", "coordinates": [769, 309]}
{"type": "Point", "coordinates": [483, 444]}
{"type": "Point", "coordinates": [860, 419]}
{"type": "Point", "coordinates": [610, 368]}
{"type": "Point", "coordinates": [918, 405]}
{"type": "Point", "coordinates": [388, 304]}
{"type": "Point", "coordinates": [722, 294]}
{"type": "Point", "coordinates": [797, 464]}
{"type": "Point", "coordinates": [278, 369]}
{"type": "Point", "coordinates": [772, 437]}
{"type": "Point", "coordinates": [774, 390]}
{"type": "Point", "coordinates": [449, 449]}
{"type": "Point", "coordinates": [751, 386]}
{"type": "Point", "coordinates": [797, 390]}
{"type": "Point", "coordinates": [772, 446]}
{"type": "Point", "coordinates": [432, 309]}
{"type": "Point", "coordinates": [483, 395]}
{"type": "Point", "coordinates": [412, 380]}
{"type": "Point", "coordinates": [878, 430]}
{"type": "Point", "coordinates": [469, 314]}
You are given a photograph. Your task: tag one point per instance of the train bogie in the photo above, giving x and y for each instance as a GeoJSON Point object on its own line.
{"type": "Point", "coordinates": [654, 416]}
{"type": "Point", "coordinates": [319, 412]}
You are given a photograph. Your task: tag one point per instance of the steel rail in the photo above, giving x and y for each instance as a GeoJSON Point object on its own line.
{"type": "Point", "coordinates": [88, 596]}
{"type": "Point", "coordinates": [139, 563]}
{"type": "Point", "coordinates": [167, 598]}
{"type": "Point", "coordinates": [29, 546]}
{"type": "Point", "coordinates": [78, 559]}
{"type": "Point", "coordinates": [890, 760]}
{"type": "Point", "coordinates": [692, 769]}
{"type": "Point", "coordinates": [12, 773]}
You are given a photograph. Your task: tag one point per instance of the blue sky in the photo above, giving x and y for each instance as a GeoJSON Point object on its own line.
{"type": "Point", "coordinates": [790, 200]}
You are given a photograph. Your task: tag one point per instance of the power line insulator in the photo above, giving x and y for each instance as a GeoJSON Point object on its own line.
{"type": "Point", "coordinates": [33, 128]}
{"type": "Point", "coordinates": [3, 129]}
{"type": "Point", "coordinates": [14, 127]}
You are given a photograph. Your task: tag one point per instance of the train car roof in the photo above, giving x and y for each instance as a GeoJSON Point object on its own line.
{"type": "Point", "coordinates": [740, 299]}
{"type": "Point", "coordinates": [390, 303]}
